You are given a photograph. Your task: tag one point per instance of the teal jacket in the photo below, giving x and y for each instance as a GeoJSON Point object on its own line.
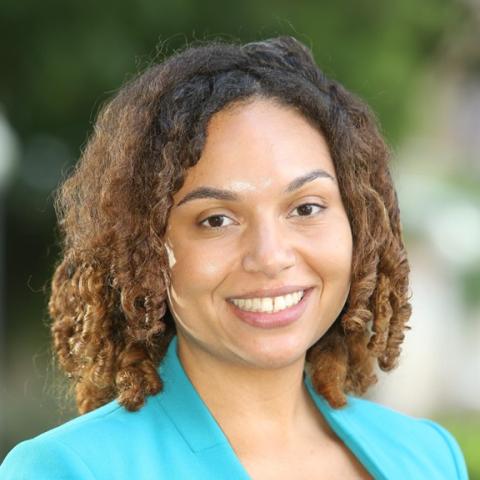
{"type": "Point", "coordinates": [174, 436]}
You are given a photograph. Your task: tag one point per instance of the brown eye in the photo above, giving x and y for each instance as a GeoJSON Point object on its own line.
{"type": "Point", "coordinates": [309, 209]}
{"type": "Point", "coordinates": [214, 221]}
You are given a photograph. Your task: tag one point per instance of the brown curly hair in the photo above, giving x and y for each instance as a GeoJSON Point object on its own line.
{"type": "Point", "coordinates": [111, 323]}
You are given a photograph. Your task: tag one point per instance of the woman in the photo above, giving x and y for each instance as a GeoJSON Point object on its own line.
{"type": "Point", "coordinates": [233, 268]}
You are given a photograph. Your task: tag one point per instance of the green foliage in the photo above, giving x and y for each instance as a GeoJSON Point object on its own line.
{"type": "Point", "coordinates": [466, 429]}
{"type": "Point", "coordinates": [61, 60]}
{"type": "Point", "coordinates": [62, 57]}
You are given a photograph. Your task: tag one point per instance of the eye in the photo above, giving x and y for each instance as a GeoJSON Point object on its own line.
{"type": "Point", "coordinates": [214, 221]}
{"type": "Point", "coordinates": [308, 209]}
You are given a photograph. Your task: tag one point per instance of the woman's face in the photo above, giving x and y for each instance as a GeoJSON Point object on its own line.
{"type": "Point", "coordinates": [261, 210]}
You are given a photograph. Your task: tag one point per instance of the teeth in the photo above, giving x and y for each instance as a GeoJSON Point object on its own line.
{"type": "Point", "coordinates": [269, 304]}
{"type": "Point", "coordinates": [283, 302]}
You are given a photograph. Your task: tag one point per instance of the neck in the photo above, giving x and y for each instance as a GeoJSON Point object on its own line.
{"type": "Point", "coordinates": [271, 403]}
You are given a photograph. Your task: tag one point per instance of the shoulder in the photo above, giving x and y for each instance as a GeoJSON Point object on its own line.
{"type": "Point", "coordinates": [43, 458]}
{"type": "Point", "coordinates": [420, 442]}
{"type": "Point", "coordinates": [78, 448]}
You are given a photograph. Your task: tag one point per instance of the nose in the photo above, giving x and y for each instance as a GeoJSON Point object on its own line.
{"type": "Point", "coordinates": [269, 250]}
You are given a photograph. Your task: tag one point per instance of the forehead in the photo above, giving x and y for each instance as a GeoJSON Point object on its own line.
{"type": "Point", "coordinates": [258, 145]}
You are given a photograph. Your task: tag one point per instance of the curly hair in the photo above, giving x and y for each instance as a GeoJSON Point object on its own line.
{"type": "Point", "coordinates": [111, 324]}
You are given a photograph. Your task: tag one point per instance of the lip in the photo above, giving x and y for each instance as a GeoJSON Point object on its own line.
{"type": "Point", "coordinates": [274, 319]}
{"type": "Point", "coordinates": [271, 292]}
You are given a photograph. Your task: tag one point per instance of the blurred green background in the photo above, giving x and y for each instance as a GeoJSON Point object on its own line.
{"type": "Point", "coordinates": [416, 63]}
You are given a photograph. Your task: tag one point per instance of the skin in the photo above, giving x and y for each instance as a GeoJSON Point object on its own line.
{"type": "Point", "coordinates": [263, 240]}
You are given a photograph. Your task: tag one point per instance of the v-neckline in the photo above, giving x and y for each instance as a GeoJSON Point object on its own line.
{"type": "Point", "coordinates": [199, 428]}
{"type": "Point", "coordinates": [340, 421]}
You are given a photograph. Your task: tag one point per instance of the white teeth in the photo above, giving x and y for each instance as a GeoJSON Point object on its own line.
{"type": "Point", "coordinates": [282, 302]}
{"type": "Point", "coordinates": [269, 304]}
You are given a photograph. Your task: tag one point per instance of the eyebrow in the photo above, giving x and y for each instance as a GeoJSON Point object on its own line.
{"type": "Point", "coordinates": [220, 194]}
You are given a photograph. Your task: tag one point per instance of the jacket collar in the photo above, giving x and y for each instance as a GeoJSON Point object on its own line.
{"type": "Point", "coordinates": [192, 418]}
{"type": "Point", "coordinates": [184, 406]}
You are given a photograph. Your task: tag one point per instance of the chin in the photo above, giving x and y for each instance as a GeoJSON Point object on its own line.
{"type": "Point", "coordinates": [275, 353]}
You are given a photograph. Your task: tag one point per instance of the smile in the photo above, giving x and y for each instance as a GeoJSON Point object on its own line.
{"type": "Point", "coordinates": [268, 304]}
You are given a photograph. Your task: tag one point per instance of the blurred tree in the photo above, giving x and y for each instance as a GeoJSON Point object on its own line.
{"type": "Point", "coordinates": [61, 60]}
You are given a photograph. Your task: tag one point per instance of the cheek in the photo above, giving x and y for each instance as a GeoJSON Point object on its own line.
{"type": "Point", "coordinates": [331, 252]}
{"type": "Point", "coordinates": [198, 268]}
{"type": "Point", "coordinates": [195, 276]}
